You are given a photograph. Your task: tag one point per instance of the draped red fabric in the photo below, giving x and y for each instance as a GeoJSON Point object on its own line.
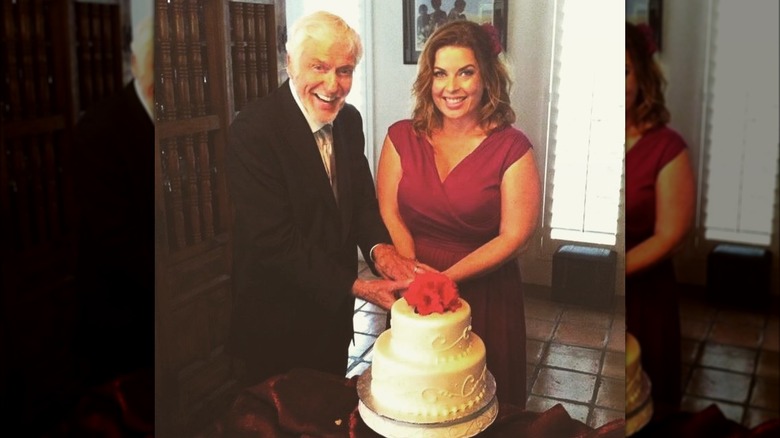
{"type": "Point", "coordinates": [709, 422]}
{"type": "Point", "coordinates": [310, 403]}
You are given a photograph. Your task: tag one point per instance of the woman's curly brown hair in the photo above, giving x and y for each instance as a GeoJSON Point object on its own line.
{"type": "Point", "coordinates": [649, 110]}
{"type": "Point", "coordinates": [495, 111]}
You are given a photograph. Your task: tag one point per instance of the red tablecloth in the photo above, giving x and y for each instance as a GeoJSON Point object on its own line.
{"type": "Point", "coordinates": [310, 403]}
{"type": "Point", "coordinates": [709, 423]}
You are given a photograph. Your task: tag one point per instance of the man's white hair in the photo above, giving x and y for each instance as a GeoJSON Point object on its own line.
{"type": "Point", "coordinates": [316, 26]}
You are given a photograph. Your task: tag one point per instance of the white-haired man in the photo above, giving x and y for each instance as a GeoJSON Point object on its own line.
{"type": "Point", "coordinates": [304, 199]}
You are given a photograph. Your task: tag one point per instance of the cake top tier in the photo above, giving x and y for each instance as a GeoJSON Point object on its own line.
{"type": "Point", "coordinates": [434, 337]}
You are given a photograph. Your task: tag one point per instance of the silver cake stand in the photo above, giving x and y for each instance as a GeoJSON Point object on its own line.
{"type": "Point", "coordinates": [467, 426]}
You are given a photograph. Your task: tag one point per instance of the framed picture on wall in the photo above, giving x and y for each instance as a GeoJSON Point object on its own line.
{"type": "Point", "coordinates": [422, 17]}
{"type": "Point", "coordinates": [649, 12]}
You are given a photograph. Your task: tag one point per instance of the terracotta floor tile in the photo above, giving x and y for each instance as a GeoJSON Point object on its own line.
{"type": "Point", "coordinates": [601, 416]}
{"type": "Point", "coordinates": [740, 335]}
{"type": "Point", "coordinates": [612, 394]}
{"type": "Point", "coordinates": [771, 339]}
{"type": "Point", "coordinates": [694, 329]}
{"type": "Point", "coordinates": [768, 365]}
{"type": "Point", "coordinates": [542, 309]}
{"type": "Point", "coordinates": [727, 357]}
{"type": "Point", "coordinates": [586, 360]}
{"type": "Point", "coordinates": [685, 376]}
{"type": "Point", "coordinates": [583, 336]}
{"type": "Point", "coordinates": [358, 369]}
{"type": "Point", "coordinates": [530, 375]}
{"type": "Point", "coordinates": [766, 394]}
{"type": "Point", "coordinates": [614, 365]}
{"type": "Point", "coordinates": [619, 306]}
{"type": "Point", "coordinates": [690, 350]}
{"type": "Point", "coordinates": [539, 329]}
{"type": "Point", "coordinates": [619, 324]}
{"type": "Point", "coordinates": [534, 350]}
{"type": "Point", "coordinates": [563, 384]}
{"type": "Point", "coordinates": [740, 317]}
{"type": "Point", "coordinates": [721, 385]}
{"type": "Point", "coordinates": [731, 411]}
{"type": "Point", "coordinates": [361, 344]}
{"type": "Point", "coordinates": [541, 404]}
{"type": "Point", "coordinates": [696, 310]}
{"type": "Point", "coordinates": [369, 323]}
{"type": "Point", "coordinates": [586, 317]}
{"type": "Point", "coordinates": [617, 339]}
{"type": "Point", "coordinates": [371, 307]}
{"type": "Point", "coordinates": [755, 416]}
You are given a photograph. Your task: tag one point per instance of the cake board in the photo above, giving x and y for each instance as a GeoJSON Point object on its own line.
{"type": "Point", "coordinates": [467, 426]}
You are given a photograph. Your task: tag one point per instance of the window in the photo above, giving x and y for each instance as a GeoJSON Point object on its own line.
{"type": "Point", "coordinates": [583, 189]}
{"type": "Point", "coordinates": [741, 137]}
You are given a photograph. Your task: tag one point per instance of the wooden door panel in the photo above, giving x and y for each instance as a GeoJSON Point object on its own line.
{"type": "Point", "coordinates": [194, 101]}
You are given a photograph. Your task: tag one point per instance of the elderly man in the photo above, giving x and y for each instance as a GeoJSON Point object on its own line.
{"type": "Point", "coordinates": [304, 200]}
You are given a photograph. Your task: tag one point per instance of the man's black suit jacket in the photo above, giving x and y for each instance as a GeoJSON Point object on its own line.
{"type": "Point", "coordinates": [295, 255]}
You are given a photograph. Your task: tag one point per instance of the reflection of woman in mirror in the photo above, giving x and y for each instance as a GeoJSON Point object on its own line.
{"type": "Point", "coordinates": [659, 211]}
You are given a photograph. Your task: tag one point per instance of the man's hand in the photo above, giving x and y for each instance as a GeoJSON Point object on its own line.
{"type": "Point", "coordinates": [383, 293]}
{"type": "Point", "coordinates": [394, 266]}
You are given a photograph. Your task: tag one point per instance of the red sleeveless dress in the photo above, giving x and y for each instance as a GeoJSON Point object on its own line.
{"type": "Point", "coordinates": [449, 219]}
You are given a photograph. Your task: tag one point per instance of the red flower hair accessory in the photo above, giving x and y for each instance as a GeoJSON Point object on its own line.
{"type": "Point", "coordinates": [432, 292]}
{"type": "Point", "coordinates": [495, 40]}
{"type": "Point", "coordinates": [647, 31]}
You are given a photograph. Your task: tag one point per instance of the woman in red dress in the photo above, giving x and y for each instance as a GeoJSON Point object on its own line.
{"type": "Point", "coordinates": [459, 190]}
{"type": "Point", "coordinates": [659, 210]}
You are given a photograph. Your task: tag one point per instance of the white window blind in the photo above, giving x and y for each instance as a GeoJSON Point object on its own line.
{"type": "Point", "coordinates": [742, 122]}
{"type": "Point", "coordinates": [586, 134]}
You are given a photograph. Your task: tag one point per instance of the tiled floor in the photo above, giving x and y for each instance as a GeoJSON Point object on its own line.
{"type": "Point", "coordinates": [576, 355]}
{"type": "Point", "coordinates": [730, 358]}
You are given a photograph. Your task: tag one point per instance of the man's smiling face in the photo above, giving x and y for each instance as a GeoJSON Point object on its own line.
{"type": "Point", "coordinates": [323, 76]}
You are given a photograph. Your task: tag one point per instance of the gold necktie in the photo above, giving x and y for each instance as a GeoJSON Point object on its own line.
{"type": "Point", "coordinates": [325, 143]}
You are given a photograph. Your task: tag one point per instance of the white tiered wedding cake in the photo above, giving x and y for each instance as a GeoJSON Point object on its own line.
{"type": "Point", "coordinates": [428, 370]}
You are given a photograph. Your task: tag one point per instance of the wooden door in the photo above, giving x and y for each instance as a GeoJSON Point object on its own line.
{"type": "Point", "coordinates": [211, 57]}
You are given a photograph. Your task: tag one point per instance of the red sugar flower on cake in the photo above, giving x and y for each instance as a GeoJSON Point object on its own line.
{"type": "Point", "coordinates": [432, 292]}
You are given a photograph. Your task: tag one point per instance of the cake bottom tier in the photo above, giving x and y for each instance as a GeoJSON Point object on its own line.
{"type": "Point", "coordinates": [426, 393]}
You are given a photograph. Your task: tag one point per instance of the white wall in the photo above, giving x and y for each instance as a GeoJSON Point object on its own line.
{"type": "Point", "coordinates": [392, 93]}
{"type": "Point", "coordinates": [683, 58]}
{"type": "Point", "coordinates": [139, 10]}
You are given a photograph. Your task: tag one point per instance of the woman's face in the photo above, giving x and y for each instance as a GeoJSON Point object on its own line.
{"type": "Point", "coordinates": [632, 89]}
{"type": "Point", "coordinates": [457, 83]}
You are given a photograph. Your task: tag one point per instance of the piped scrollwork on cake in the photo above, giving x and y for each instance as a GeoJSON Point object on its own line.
{"type": "Point", "coordinates": [429, 367]}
